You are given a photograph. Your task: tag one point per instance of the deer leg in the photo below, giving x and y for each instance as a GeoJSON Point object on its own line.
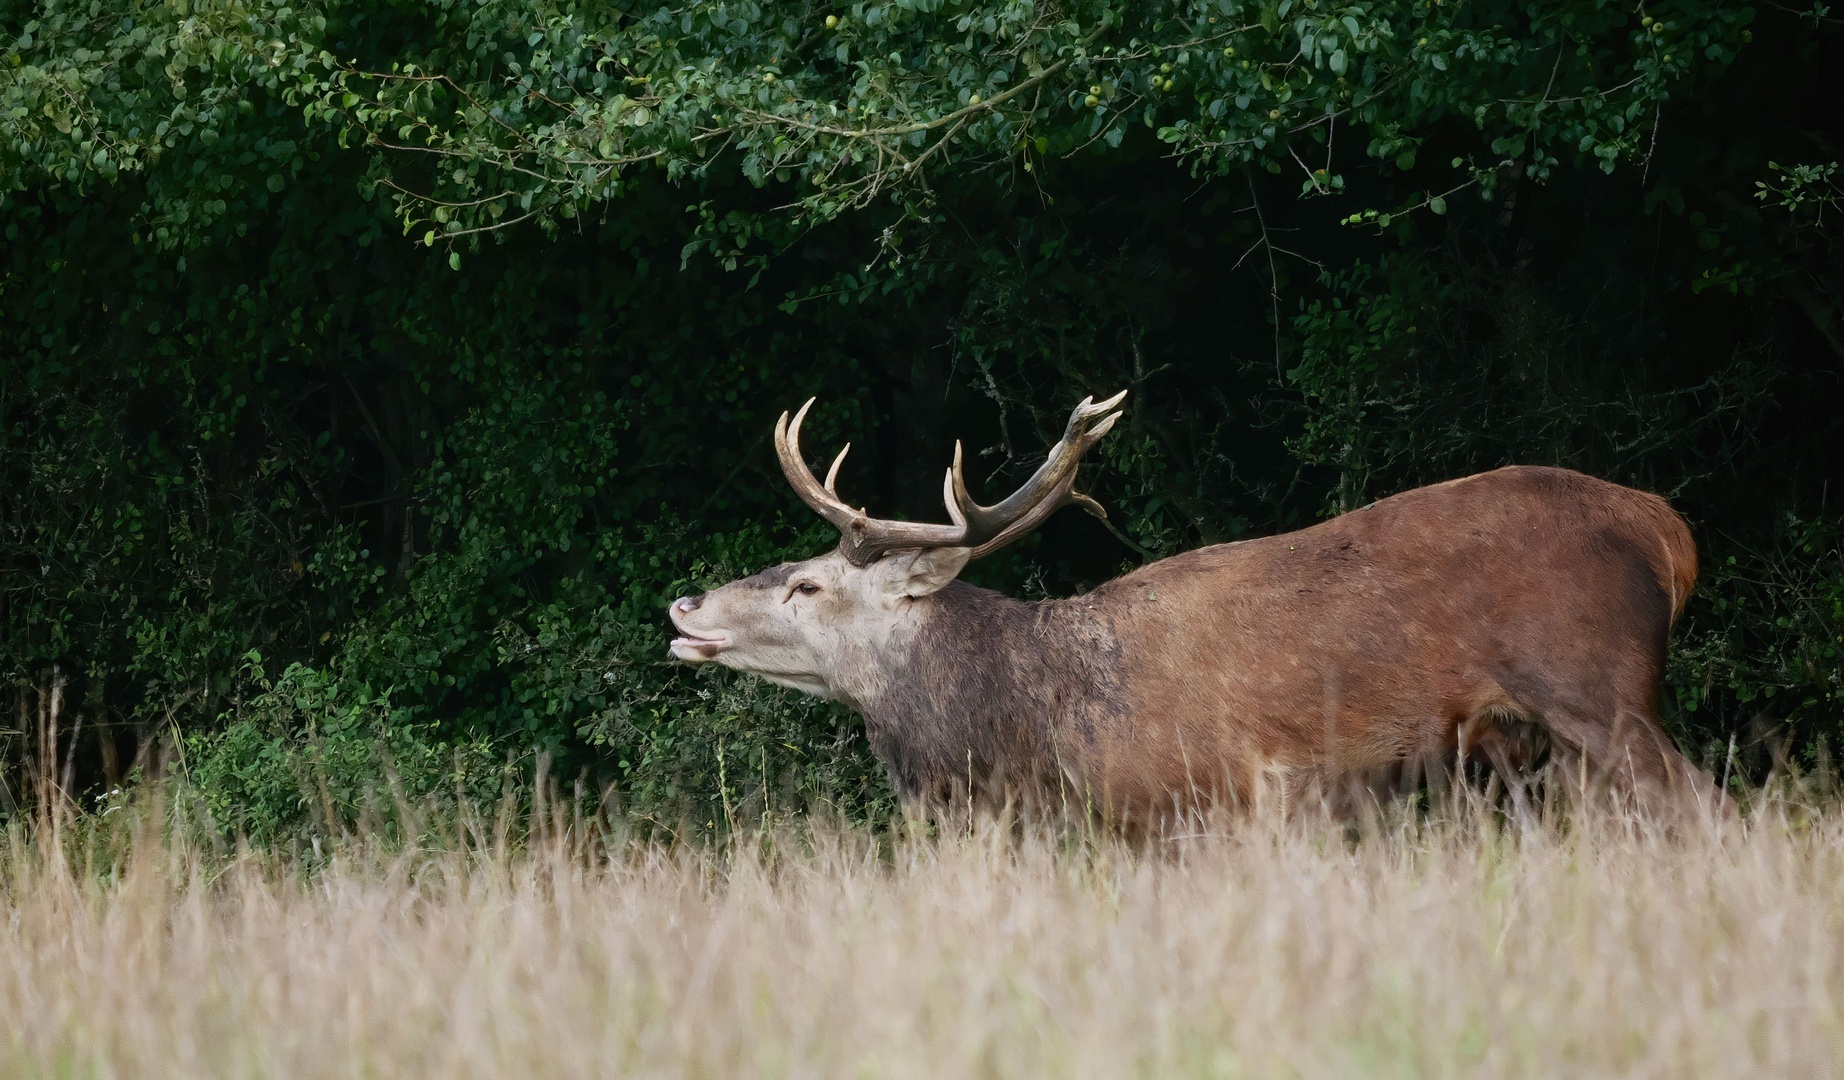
{"type": "Point", "coordinates": [1692, 789]}
{"type": "Point", "coordinates": [1509, 769]}
{"type": "Point", "coordinates": [1623, 751]}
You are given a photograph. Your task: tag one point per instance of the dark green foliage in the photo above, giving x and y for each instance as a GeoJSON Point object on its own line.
{"type": "Point", "coordinates": [376, 374]}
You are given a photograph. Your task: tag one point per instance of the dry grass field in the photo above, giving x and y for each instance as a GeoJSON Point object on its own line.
{"type": "Point", "coordinates": [1430, 948]}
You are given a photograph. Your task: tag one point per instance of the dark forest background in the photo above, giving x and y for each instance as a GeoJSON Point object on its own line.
{"type": "Point", "coordinates": [373, 373]}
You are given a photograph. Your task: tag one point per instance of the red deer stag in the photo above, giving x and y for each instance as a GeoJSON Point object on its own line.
{"type": "Point", "coordinates": [1476, 619]}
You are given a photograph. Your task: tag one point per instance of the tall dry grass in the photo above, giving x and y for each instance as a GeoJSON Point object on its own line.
{"type": "Point", "coordinates": [1429, 948]}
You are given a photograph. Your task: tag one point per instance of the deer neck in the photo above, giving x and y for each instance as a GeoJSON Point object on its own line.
{"type": "Point", "coordinates": [979, 679]}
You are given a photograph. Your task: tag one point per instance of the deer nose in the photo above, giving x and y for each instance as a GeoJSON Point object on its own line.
{"type": "Point", "coordinates": [687, 603]}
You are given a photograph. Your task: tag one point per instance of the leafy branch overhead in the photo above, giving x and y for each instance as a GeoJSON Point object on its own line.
{"type": "Point", "coordinates": [535, 111]}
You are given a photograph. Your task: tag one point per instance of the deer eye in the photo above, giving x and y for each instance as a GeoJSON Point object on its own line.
{"type": "Point", "coordinates": [806, 588]}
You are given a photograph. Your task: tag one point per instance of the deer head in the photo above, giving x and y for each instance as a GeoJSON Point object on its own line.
{"type": "Point", "coordinates": [827, 625]}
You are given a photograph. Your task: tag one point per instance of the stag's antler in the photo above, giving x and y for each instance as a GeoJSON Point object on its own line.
{"type": "Point", "coordinates": [985, 529]}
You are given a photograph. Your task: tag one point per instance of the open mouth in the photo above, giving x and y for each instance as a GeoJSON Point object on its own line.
{"type": "Point", "coordinates": [692, 647]}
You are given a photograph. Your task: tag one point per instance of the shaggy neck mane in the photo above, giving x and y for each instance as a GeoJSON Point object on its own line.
{"type": "Point", "coordinates": [987, 690]}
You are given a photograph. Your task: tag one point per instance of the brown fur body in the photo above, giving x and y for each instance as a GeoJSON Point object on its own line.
{"type": "Point", "coordinates": [1440, 624]}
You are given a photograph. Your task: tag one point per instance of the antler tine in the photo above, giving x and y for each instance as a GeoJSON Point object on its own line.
{"type": "Point", "coordinates": [1051, 487]}
{"type": "Point", "coordinates": [1090, 407]}
{"type": "Point", "coordinates": [821, 498]}
{"type": "Point", "coordinates": [949, 485]}
{"type": "Point", "coordinates": [832, 474]}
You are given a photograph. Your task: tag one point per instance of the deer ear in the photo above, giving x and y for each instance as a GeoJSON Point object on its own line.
{"type": "Point", "coordinates": [920, 573]}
